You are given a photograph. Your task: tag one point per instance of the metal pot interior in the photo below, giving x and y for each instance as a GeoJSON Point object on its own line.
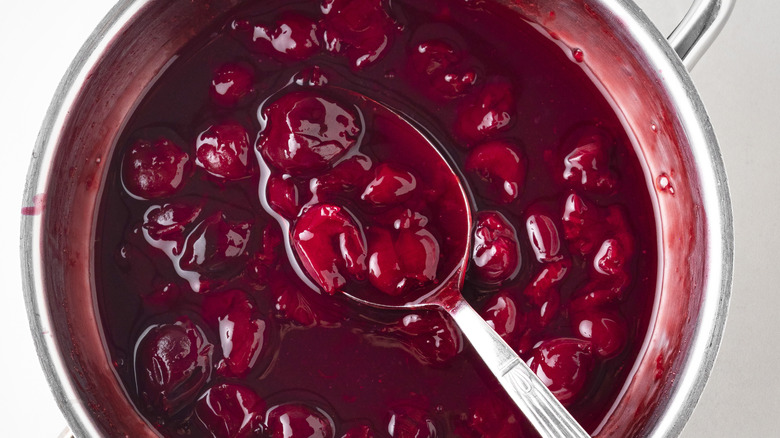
{"type": "Point", "coordinates": [641, 78]}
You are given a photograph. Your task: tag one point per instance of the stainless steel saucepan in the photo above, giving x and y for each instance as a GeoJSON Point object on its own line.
{"type": "Point", "coordinates": [644, 75]}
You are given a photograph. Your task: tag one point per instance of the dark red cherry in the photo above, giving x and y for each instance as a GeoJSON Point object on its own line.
{"type": "Point", "coordinates": [243, 332]}
{"type": "Point", "coordinates": [384, 264]}
{"type": "Point", "coordinates": [348, 175]}
{"type": "Point", "coordinates": [306, 132]}
{"type": "Point", "coordinates": [313, 76]}
{"type": "Point", "coordinates": [172, 363]}
{"type": "Point", "coordinates": [500, 312]}
{"type": "Point", "coordinates": [230, 410]}
{"type": "Point", "coordinates": [488, 113]}
{"type": "Point", "coordinates": [410, 421]}
{"type": "Point", "coordinates": [544, 293]}
{"type": "Point", "coordinates": [301, 306]}
{"type": "Point", "coordinates": [501, 168]}
{"type": "Point", "coordinates": [399, 261]}
{"type": "Point", "coordinates": [587, 163]}
{"type": "Point", "coordinates": [611, 258]}
{"type": "Point", "coordinates": [265, 258]}
{"type": "Point", "coordinates": [564, 365]}
{"type": "Point", "coordinates": [582, 225]}
{"type": "Point", "coordinates": [617, 253]}
{"type": "Point", "coordinates": [405, 218]}
{"type": "Point", "coordinates": [496, 253]}
{"type": "Point", "coordinates": [216, 245]}
{"type": "Point", "coordinates": [283, 196]}
{"type": "Point", "coordinates": [606, 330]}
{"type": "Point", "coordinates": [432, 338]}
{"type": "Point", "coordinates": [420, 253]}
{"type": "Point", "coordinates": [546, 282]}
{"type": "Point", "coordinates": [293, 37]}
{"type": "Point", "coordinates": [330, 246]}
{"type": "Point", "coordinates": [433, 57]}
{"type": "Point", "coordinates": [155, 169]}
{"type": "Point", "coordinates": [391, 185]}
{"type": "Point", "coordinates": [442, 68]}
{"type": "Point", "coordinates": [168, 222]}
{"type": "Point", "coordinates": [489, 417]}
{"type": "Point", "coordinates": [544, 239]}
{"type": "Point", "coordinates": [231, 83]}
{"type": "Point", "coordinates": [360, 30]}
{"type": "Point", "coordinates": [544, 312]}
{"type": "Point", "coordinates": [223, 151]}
{"type": "Point", "coordinates": [294, 420]}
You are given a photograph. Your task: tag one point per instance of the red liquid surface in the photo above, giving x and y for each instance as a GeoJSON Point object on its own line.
{"type": "Point", "coordinates": [250, 188]}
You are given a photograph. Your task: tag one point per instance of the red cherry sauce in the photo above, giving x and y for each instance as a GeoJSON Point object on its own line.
{"type": "Point", "coordinates": [290, 154]}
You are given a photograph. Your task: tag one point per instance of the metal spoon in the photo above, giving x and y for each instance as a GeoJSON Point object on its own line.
{"type": "Point", "coordinates": [533, 398]}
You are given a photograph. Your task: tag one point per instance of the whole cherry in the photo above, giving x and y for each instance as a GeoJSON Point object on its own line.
{"type": "Point", "coordinates": [295, 420]}
{"type": "Point", "coordinates": [155, 169]}
{"type": "Point", "coordinates": [230, 410]}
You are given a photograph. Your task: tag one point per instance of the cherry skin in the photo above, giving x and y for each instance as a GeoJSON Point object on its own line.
{"type": "Point", "coordinates": [543, 293]}
{"type": "Point", "coordinates": [295, 420]}
{"type": "Point", "coordinates": [293, 37]}
{"type": "Point", "coordinates": [442, 69]}
{"type": "Point", "coordinates": [330, 246]}
{"type": "Point", "coordinates": [400, 261]}
{"type": "Point", "coordinates": [432, 338]}
{"type": "Point", "coordinates": [391, 185]}
{"type": "Point", "coordinates": [544, 239]}
{"type": "Point", "coordinates": [169, 222]}
{"type": "Point", "coordinates": [360, 30]}
{"type": "Point", "coordinates": [230, 410]}
{"type": "Point", "coordinates": [155, 169]}
{"type": "Point", "coordinates": [263, 262]}
{"type": "Point", "coordinates": [283, 196]}
{"type": "Point", "coordinates": [347, 176]}
{"type": "Point", "coordinates": [232, 84]}
{"type": "Point", "coordinates": [500, 166]}
{"type": "Point", "coordinates": [223, 151]}
{"type": "Point", "coordinates": [487, 114]}
{"type": "Point", "coordinates": [582, 225]}
{"type": "Point", "coordinates": [547, 281]}
{"type": "Point", "coordinates": [606, 330]}
{"type": "Point", "coordinates": [611, 258]}
{"type": "Point", "coordinates": [244, 333]}
{"type": "Point", "coordinates": [306, 132]}
{"type": "Point", "coordinates": [587, 164]}
{"type": "Point", "coordinates": [500, 312]}
{"type": "Point", "coordinates": [496, 253]}
{"type": "Point", "coordinates": [302, 306]}
{"type": "Point", "coordinates": [216, 245]}
{"type": "Point", "coordinates": [172, 363]}
{"type": "Point", "coordinates": [564, 365]}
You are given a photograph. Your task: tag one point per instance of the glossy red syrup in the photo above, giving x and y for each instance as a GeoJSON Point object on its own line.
{"type": "Point", "coordinates": [286, 158]}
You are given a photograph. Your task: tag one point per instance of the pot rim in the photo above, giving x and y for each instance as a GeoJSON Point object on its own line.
{"type": "Point", "coordinates": [662, 58]}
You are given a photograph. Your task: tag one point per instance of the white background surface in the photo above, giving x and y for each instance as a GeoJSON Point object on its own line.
{"type": "Point", "coordinates": [738, 79]}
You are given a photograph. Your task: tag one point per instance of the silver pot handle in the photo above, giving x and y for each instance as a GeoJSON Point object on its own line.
{"type": "Point", "coordinates": [699, 28]}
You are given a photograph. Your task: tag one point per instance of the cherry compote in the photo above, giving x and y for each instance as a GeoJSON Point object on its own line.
{"type": "Point", "coordinates": [291, 154]}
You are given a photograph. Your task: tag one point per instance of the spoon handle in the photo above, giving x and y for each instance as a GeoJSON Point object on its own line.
{"type": "Point", "coordinates": [533, 398]}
